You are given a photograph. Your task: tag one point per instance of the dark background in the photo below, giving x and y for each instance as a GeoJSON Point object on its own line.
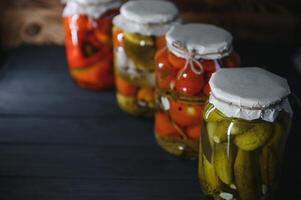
{"type": "Point", "coordinates": [61, 142]}
{"type": "Point", "coordinates": [274, 21]}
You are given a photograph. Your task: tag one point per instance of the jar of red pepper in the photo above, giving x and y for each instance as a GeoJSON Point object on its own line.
{"type": "Point", "coordinates": [183, 69]}
{"type": "Point", "coordinates": [88, 30]}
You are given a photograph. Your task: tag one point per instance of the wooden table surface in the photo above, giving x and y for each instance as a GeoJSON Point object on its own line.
{"type": "Point", "coordinates": [59, 142]}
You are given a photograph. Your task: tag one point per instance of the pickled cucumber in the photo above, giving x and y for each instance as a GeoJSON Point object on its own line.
{"type": "Point", "coordinates": [223, 162]}
{"type": "Point", "coordinates": [271, 155]}
{"type": "Point", "coordinates": [137, 39]}
{"type": "Point", "coordinates": [130, 105]}
{"type": "Point", "coordinates": [170, 145]}
{"type": "Point", "coordinates": [211, 129]}
{"type": "Point", "coordinates": [125, 102]}
{"type": "Point", "coordinates": [141, 50]}
{"type": "Point", "coordinates": [201, 165]}
{"type": "Point", "coordinates": [268, 166]}
{"type": "Point", "coordinates": [212, 182]}
{"type": "Point", "coordinates": [246, 175]}
{"type": "Point", "coordinates": [270, 163]}
{"type": "Point", "coordinates": [179, 147]}
{"type": "Point", "coordinates": [206, 140]}
{"type": "Point", "coordinates": [221, 132]}
{"type": "Point", "coordinates": [246, 156]}
{"type": "Point", "coordinates": [238, 127]}
{"type": "Point", "coordinates": [211, 114]}
{"type": "Point", "coordinates": [254, 137]}
{"type": "Point", "coordinates": [277, 141]}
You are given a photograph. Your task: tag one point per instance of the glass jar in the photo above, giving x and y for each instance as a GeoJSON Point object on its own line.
{"type": "Point", "coordinates": [183, 70]}
{"type": "Point", "coordinates": [88, 40]}
{"type": "Point", "coordinates": [138, 33]}
{"type": "Point", "coordinates": [244, 134]}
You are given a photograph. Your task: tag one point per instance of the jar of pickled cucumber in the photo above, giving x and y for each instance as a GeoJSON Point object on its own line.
{"type": "Point", "coordinates": [88, 40]}
{"type": "Point", "coordinates": [246, 124]}
{"type": "Point", "coordinates": [138, 33]}
{"type": "Point", "coordinates": [183, 69]}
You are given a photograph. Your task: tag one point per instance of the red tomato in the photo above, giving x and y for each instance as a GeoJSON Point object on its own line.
{"type": "Point", "coordinates": [176, 62]}
{"type": "Point", "coordinates": [207, 90]}
{"type": "Point", "coordinates": [194, 132]}
{"type": "Point", "coordinates": [164, 84]}
{"type": "Point", "coordinates": [163, 126]}
{"type": "Point", "coordinates": [190, 83]}
{"type": "Point", "coordinates": [185, 114]}
{"type": "Point", "coordinates": [165, 73]}
{"type": "Point", "coordinates": [125, 87]}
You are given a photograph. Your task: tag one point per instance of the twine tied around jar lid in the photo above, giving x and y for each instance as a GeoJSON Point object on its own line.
{"type": "Point", "coordinates": [192, 58]}
{"type": "Point", "coordinates": [254, 107]}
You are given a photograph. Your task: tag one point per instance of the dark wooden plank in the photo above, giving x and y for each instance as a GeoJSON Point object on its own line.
{"type": "Point", "coordinates": [56, 138]}
{"type": "Point", "coordinates": [83, 189]}
{"type": "Point", "coordinates": [29, 85]}
{"type": "Point", "coordinates": [102, 162]}
{"type": "Point", "coordinates": [121, 131]}
{"type": "Point", "coordinates": [35, 180]}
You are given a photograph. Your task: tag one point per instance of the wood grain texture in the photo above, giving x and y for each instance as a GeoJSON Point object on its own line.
{"type": "Point", "coordinates": [60, 142]}
{"type": "Point", "coordinates": [32, 21]}
{"type": "Point", "coordinates": [39, 21]}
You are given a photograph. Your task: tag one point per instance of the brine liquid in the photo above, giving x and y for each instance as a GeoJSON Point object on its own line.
{"type": "Point", "coordinates": [241, 159]}
{"type": "Point", "coordinates": [89, 50]}
{"type": "Point", "coordinates": [134, 70]}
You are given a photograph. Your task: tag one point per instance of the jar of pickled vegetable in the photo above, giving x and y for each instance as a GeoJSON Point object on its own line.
{"type": "Point", "coordinates": [88, 40]}
{"type": "Point", "coordinates": [246, 124]}
{"type": "Point", "coordinates": [183, 69]}
{"type": "Point", "coordinates": [138, 33]}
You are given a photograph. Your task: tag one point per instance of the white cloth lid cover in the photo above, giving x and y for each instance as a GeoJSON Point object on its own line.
{"type": "Point", "coordinates": [149, 17]}
{"type": "Point", "coordinates": [149, 12]}
{"type": "Point", "coordinates": [92, 8]}
{"type": "Point", "coordinates": [208, 41]}
{"type": "Point", "coordinates": [249, 93]}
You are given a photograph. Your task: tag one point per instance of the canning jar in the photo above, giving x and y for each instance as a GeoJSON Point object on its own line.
{"type": "Point", "coordinates": [246, 124]}
{"type": "Point", "coordinates": [183, 69]}
{"type": "Point", "coordinates": [138, 33]}
{"type": "Point", "coordinates": [88, 40]}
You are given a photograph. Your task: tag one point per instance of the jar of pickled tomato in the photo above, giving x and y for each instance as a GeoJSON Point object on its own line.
{"type": "Point", "coordinates": [88, 40]}
{"type": "Point", "coordinates": [183, 69]}
{"type": "Point", "coordinates": [138, 33]}
{"type": "Point", "coordinates": [246, 124]}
